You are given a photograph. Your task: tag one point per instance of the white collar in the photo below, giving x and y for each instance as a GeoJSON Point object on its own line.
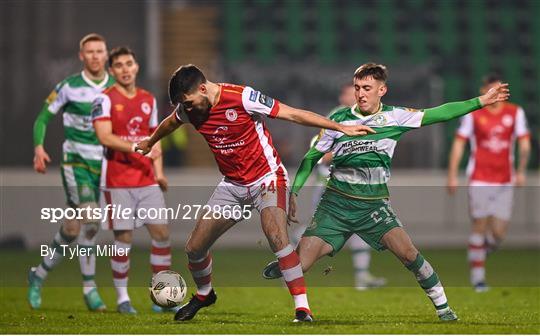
{"type": "Point", "coordinates": [90, 82]}
{"type": "Point", "coordinates": [363, 117]}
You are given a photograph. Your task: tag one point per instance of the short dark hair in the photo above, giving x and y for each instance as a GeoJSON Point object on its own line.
{"type": "Point", "coordinates": [491, 78]}
{"type": "Point", "coordinates": [89, 38]}
{"type": "Point", "coordinates": [184, 81]}
{"type": "Point", "coordinates": [119, 51]}
{"type": "Point", "coordinates": [377, 71]}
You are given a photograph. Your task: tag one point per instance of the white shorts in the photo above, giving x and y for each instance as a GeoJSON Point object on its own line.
{"type": "Point", "coordinates": [270, 190]}
{"type": "Point", "coordinates": [144, 204]}
{"type": "Point", "coordinates": [487, 200]}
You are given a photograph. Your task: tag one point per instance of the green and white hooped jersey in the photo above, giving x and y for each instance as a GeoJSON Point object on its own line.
{"type": "Point", "coordinates": [74, 96]}
{"type": "Point", "coordinates": [361, 165]}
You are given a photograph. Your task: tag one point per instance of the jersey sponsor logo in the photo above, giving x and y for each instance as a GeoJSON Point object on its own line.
{"type": "Point", "coordinates": [495, 143]}
{"type": "Point", "coordinates": [145, 107]}
{"type": "Point", "coordinates": [97, 108]}
{"type": "Point", "coordinates": [218, 137]}
{"type": "Point", "coordinates": [119, 107]}
{"type": "Point", "coordinates": [266, 101]}
{"type": "Point", "coordinates": [253, 96]}
{"type": "Point", "coordinates": [379, 120]}
{"type": "Point", "coordinates": [507, 120]}
{"type": "Point", "coordinates": [358, 146]}
{"type": "Point", "coordinates": [134, 125]}
{"type": "Point", "coordinates": [231, 115]}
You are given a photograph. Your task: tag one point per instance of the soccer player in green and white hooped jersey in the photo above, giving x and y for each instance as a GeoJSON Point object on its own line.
{"type": "Point", "coordinates": [356, 197]}
{"type": "Point", "coordinates": [81, 164]}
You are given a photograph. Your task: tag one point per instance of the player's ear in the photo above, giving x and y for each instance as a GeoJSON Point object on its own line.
{"type": "Point", "coordinates": [203, 89]}
{"type": "Point", "coordinates": [382, 90]}
{"type": "Point", "coordinates": [81, 58]}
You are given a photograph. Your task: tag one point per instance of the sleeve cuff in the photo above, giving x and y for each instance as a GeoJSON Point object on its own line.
{"type": "Point", "coordinates": [461, 136]}
{"type": "Point", "coordinates": [275, 110]}
{"type": "Point", "coordinates": [100, 119]}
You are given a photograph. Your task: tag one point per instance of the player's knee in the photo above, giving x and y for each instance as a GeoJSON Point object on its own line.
{"type": "Point", "coordinates": [160, 233]}
{"type": "Point", "coordinates": [194, 252]}
{"type": "Point", "coordinates": [71, 228]}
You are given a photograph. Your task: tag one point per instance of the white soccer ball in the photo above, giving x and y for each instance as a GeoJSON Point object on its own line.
{"type": "Point", "coordinates": [168, 289]}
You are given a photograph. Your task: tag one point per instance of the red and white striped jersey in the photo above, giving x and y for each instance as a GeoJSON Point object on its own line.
{"type": "Point", "coordinates": [132, 119]}
{"type": "Point", "coordinates": [492, 138]}
{"type": "Point", "coordinates": [236, 133]}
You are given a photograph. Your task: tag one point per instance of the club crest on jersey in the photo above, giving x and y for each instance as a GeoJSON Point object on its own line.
{"type": "Point", "coordinates": [507, 120]}
{"type": "Point", "coordinates": [379, 120]}
{"type": "Point", "coordinates": [145, 107]}
{"type": "Point", "coordinates": [231, 115]}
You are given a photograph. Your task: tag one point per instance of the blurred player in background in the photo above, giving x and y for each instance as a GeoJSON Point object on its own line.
{"type": "Point", "coordinates": [123, 115]}
{"type": "Point", "coordinates": [356, 199]}
{"type": "Point", "coordinates": [230, 118]}
{"type": "Point", "coordinates": [492, 131]}
{"type": "Point", "coordinates": [361, 251]}
{"type": "Point", "coordinates": [80, 167]}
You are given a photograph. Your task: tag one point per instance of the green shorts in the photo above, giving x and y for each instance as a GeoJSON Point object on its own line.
{"type": "Point", "coordinates": [338, 217]}
{"type": "Point", "coordinates": [81, 183]}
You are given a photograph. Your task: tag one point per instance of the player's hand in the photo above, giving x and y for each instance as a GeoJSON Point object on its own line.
{"type": "Point", "coordinates": [291, 216]}
{"type": "Point", "coordinates": [163, 183]}
{"type": "Point", "coordinates": [452, 185]}
{"type": "Point", "coordinates": [41, 158]}
{"type": "Point", "coordinates": [143, 147]}
{"type": "Point", "coordinates": [356, 130]}
{"type": "Point", "coordinates": [520, 179]}
{"type": "Point", "coordinates": [498, 93]}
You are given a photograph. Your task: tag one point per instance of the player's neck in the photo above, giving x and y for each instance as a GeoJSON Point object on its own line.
{"type": "Point", "coordinates": [95, 76]}
{"type": "Point", "coordinates": [495, 108]}
{"type": "Point", "coordinates": [129, 91]}
{"type": "Point", "coordinates": [214, 91]}
{"type": "Point", "coordinates": [374, 110]}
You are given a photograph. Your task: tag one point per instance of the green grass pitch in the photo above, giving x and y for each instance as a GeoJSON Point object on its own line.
{"type": "Point", "coordinates": [249, 305]}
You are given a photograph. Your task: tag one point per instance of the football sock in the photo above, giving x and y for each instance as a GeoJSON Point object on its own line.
{"type": "Point", "coordinates": [120, 270]}
{"type": "Point", "coordinates": [477, 258]}
{"type": "Point", "coordinates": [160, 256]}
{"type": "Point", "coordinates": [430, 283]}
{"type": "Point", "coordinates": [289, 264]}
{"type": "Point", "coordinates": [201, 271]}
{"type": "Point", "coordinates": [361, 256]}
{"type": "Point", "coordinates": [87, 262]}
{"type": "Point", "coordinates": [49, 262]}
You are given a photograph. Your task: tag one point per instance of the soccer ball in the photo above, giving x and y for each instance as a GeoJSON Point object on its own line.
{"type": "Point", "coordinates": [167, 289]}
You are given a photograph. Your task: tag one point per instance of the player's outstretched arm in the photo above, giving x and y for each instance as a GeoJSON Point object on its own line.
{"type": "Point", "coordinates": [306, 167]}
{"type": "Point", "coordinates": [453, 163]}
{"type": "Point", "coordinates": [41, 158]}
{"type": "Point", "coordinates": [108, 139]}
{"type": "Point", "coordinates": [454, 110]}
{"type": "Point", "coordinates": [308, 118]}
{"type": "Point", "coordinates": [166, 127]}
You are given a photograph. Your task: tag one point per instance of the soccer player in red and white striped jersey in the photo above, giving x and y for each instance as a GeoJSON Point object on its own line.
{"type": "Point", "coordinates": [230, 118]}
{"type": "Point", "coordinates": [492, 132]}
{"type": "Point", "coordinates": [123, 115]}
